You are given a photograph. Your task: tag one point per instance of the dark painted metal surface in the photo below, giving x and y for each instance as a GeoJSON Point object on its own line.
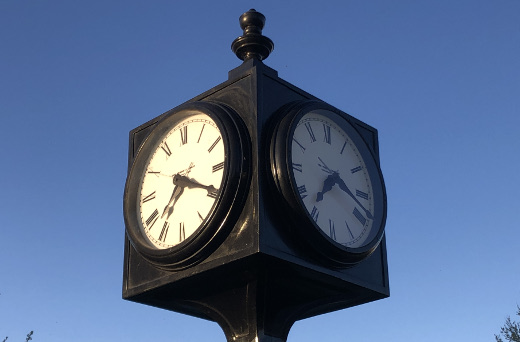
{"type": "Point", "coordinates": [259, 280]}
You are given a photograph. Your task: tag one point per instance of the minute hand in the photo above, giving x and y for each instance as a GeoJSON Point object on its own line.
{"type": "Point", "coordinates": [345, 188]}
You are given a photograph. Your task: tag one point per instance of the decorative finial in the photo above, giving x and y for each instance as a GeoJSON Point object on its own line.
{"type": "Point", "coordinates": [252, 44]}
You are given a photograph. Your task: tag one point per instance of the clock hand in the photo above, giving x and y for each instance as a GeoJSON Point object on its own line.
{"type": "Point", "coordinates": [191, 183]}
{"type": "Point", "coordinates": [182, 182]}
{"type": "Point", "coordinates": [187, 171]}
{"type": "Point", "coordinates": [327, 186]}
{"type": "Point", "coordinates": [345, 188]}
{"type": "Point", "coordinates": [183, 172]}
{"type": "Point", "coordinates": [177, 192]}
{"type": "Point", "coordinates": [324, 166]}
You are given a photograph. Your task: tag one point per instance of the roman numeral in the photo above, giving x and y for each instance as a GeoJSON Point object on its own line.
{"type": "Point", "coordinates": [200, 217]}
{"type": "Point", "coordinates": [356, 169]}
{"type": "Point", "coordinates": [182, 232]}
{"type": "Point", "coordinates": [149, 197]}
{"type": "Point", "coordinates": [202, 130]}
{"type": "Point", "coordinates": [217, 167]}
{"type": "Point", "coordinates": [164, 231]}
{"type": "Point", "coordinates": [166, 149]}
{"type": "Point", "coordinates": [362, 194]}
{"type": "Point", "coordinates": [301, 146]}
{"type": "Point", "coordinates": [302, 191]}
{"type": "Point", "coordinates": [309, 130]}
{"type": "Point", "coordinates": [184, 135]}
{"type": "Point", "coordinates": [332, 230]}
{"type": "Point", "coordinates": [326, 137]}
{"type": "Point", "coordinates": [214, 144]}
{"type": "Point", "coordinates": [297, 167]}
{"type": "Point", "coordinates": [151, 220]}
{"type": "Point", "coordinates": [314, 214]}
{"type": "Point", "coordinates": [359, 216]}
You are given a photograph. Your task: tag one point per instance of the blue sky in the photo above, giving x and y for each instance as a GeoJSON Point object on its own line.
{"type": "Point", "coordinates": [440, 80]}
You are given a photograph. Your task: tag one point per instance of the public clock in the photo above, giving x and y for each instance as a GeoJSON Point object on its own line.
{"type": "Point", "coordinates": [330, 181]}
{"type": "Point", "coordinates": [187, 183]}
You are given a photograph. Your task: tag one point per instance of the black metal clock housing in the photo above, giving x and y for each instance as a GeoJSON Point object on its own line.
{"type": "Point", "coordinates": [330, 184]}
{"type": "Point", "coordinates": [187, 183]}
{"type": "Point", "coordinates": [250, 252]}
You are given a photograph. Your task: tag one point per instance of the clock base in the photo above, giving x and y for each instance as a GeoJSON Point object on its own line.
{"type": "Point", "coordinates": [258, 297]}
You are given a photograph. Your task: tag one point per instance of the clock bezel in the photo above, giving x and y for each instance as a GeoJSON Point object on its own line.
{"type": "Point", "coordinates": [302, 225]}
{"type": "Point", "coordinates": [226, 208]}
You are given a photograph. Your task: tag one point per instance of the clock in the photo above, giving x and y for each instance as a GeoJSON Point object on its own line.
{"type": "Point", "coordinates": [187, 183]}
{"type": "Point", "coordinates": [330, 182]}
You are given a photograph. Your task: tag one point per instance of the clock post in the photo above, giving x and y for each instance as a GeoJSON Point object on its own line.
{"type": "Point", "coordinates": [254, 204]}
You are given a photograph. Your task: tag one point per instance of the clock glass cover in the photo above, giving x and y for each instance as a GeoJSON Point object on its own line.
{"type": "Point", "coordinates": [181, 181]}
{"type": "Point", "coordinates": [186, 185]}
{"type": "Point", "coordinates": [329, 178]}
{"type": "Point", "coordinates": [332, 180]}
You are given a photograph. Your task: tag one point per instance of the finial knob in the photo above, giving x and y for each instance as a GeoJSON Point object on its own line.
{"type": "Point", "coordinates": [252, 44]}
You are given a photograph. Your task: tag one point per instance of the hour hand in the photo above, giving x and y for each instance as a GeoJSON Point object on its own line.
{"type": "Point", "coordinates": [191, 183]}
{"type": "Point", "coordinates": [327, 186]}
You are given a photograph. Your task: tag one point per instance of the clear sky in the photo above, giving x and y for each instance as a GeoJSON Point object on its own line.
{"type": "Point", "coordinates": [440, 80]}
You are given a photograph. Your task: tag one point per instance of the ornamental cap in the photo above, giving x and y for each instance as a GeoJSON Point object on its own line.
{"type": "Point", "coordinates": [252, 44]}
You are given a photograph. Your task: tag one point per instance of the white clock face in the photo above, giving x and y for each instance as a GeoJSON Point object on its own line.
{"type": "Point", "coordinates": [332, 180]}
{"type": "Point", "coordinates": [181, 181]}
